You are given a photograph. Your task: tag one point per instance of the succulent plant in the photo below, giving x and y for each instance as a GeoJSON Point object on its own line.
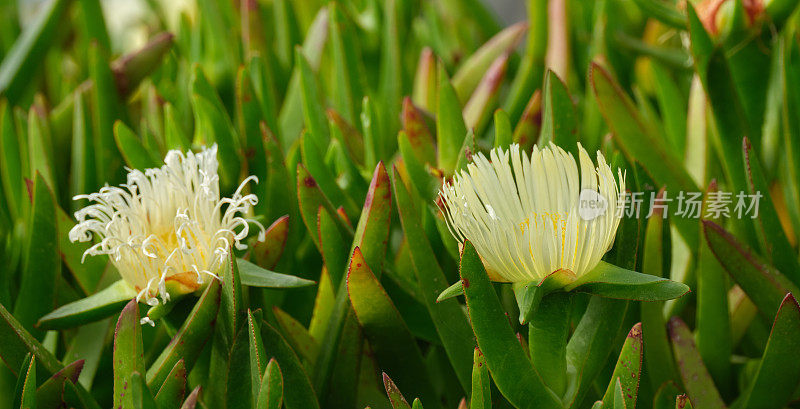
{"type": "Point", "coordinates": [415, 165]}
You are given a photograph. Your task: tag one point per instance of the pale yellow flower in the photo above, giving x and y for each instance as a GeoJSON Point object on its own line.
{"type": "Point", "coordinates": [167, 229]}
{"type": "Point", "coordinates": [523, 213]}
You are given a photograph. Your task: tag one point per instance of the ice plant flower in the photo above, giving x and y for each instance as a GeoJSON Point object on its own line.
{"type": "Point", "coordinates": [524, 214]}
{"type": "Point", "coordinates": [167, 229]}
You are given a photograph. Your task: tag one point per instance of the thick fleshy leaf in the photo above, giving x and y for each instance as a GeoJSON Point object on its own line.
{"type": "Point", "coordinates": [28, 392]}
{"type": "Point", "coordinates": [372, 132]}
{"type": "Point", "coordinates": [447, 315]}
{"type": "Point", "coordinates": [42, 262]}
{"type": "Point", "coordinates": [348, 135]}
{"type": "Point", "coordinates": [372, 230]}
{"type": "Point", "coordinates": [271, 394]}
{"type": "Point", "coordinates": [310, 198]}
{"type": "Point", "coordinates": [131, 147]}
{"type": "Point", "coordinates": [503, 135]}
{"type": "Point", "coordinates": [300, 395]}
{"type": "Point", "coordinates": [713, 337]}
{"type": "Point", "coordinates": [19, 65]}
{"type": "Point", "coordinates": [425, 184]}
{"type": "Point", "coordinates": [548, 332]}
{"type": "Point", "coordinates": [132, 68]}
{"type": "Point", "coordinates": [454, 290]}
{"type": "Point", "coordinates": [314, 160]}
{"type": "Point", "coordinates": [392, 343]}
{"type": "Point", "coordinates": [191, 400]}
{"type": "Point", "coordinates": [390, 81]}
{"type": "Point", "coordinates": [481, 397]}
{"type": "Point", "coordinates": [450, 127]}
{"type": "Point", "coordinates": [479, 107]}
{"type": "Point", "coordinates": [419, 136]}
{"type": "Point", "coordinates": [277, 201]}
{"type": "Point", "coordinates": [348, 90]}
{"type": "Point", "coordinates": [775, 379]}
{"type": "Point", "coordinates": [608, 280]}
{"type": "Point", "coordinates": [699, 385]}
{"type": "Point", "coordinates": [42, 159]}
{"type": "Point", "coordinates": [559, 119]}
{"type": "Point", "coordinates": [665, 395]}
{"type": "Point", "coordinates": [333, 246]}
{"type": "Point", "coordinates": [396, 397]}
{"type": "Point", "coordinates": [257, 352]}
{"type": "Point", "coordinates": [313, 109]}
{"type": "Point", "coordinates": [172, 392]}
{"type": "Point", "coordinates": [128, 354]}
{"type": "Point", "coordinates": [106, 107]}
{"type": "Point", "coordinates": [342, 338]}
{"type": "Point", "coordinates": [267, 253]}
{"type": "Point", "coordinates": [140, 394]}
{"type": "Point", "coordinates": [511, 369]}
{"type": "Point", "coordinates": [658, 354]}
{"type": "Point", "coordinates": [591, 344]}
{"type": "Point", "coordinates": [12, 164]}
{"type": "Point", "coordinates": [291, 114]}
{"type": "Point", "coordinates": [49, 394]}
{"type": "Point", "coordinates": [103, 304]}
{"type": "Point", "coordinates": [297, 335]}
{"type": "Point", "coordinates": [771, 237]}
{"type": "Point", "coordinates": [764, 285]}
{"type": "Point", "coordinates": [424, 93]}
{"type": "Point", "coordinates": [190, 338]}
{"type": "Point", "coordinates": [239, 376]}
{"type": "Point", "coordinates": [640, 142]}
{"type": "Point", "coordinates": [469, 74]}
{"type": "Point", "coordinates": [252, 275]}
{"type": "Point", "coordinates": [628, 369]}
{"type": "Point", "coordinates": [527, 131]}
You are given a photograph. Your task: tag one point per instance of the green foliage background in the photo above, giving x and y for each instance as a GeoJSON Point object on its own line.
{"type": "Point", "coordinates": [351, 114]}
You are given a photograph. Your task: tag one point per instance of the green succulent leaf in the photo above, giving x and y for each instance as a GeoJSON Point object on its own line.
{"type": "Point", "coordinates": [772, 239]}
{"type": "Point", "coordinates": [252, 275]}
{"type": "Point", "coordinates": [454, 290]}
{"type": "Point", "coordinates": [42, 262]}
{"type": "Point", "coordinates": [297, 336]}
{"type": "Point", "coordinates": [190, 338]}
{"type": "Point", "coordinates": [642, 143]}
{"type": "Point", "coordinates": [559, 119]}
{"type": "Point", "coordinates": [392, 343]}
{"type": "Point", "coordinates": [19, 65]}
{"type": "Point", "coordinates": [699, 385]}
{"type": "Point", "coordinates": [267, 253]}
{"type": "Point", "coordinates": [469, 74]}
{"type": "Point", "coordinates": [481, 397]}
{"type": "Point", "coordinates": [103, 304]}
{"type": "Point", "coordinates": [395, 396]}
{"type": "Point", "coordinates": [271, 394]}
{"type": "Point", "coordinates": [301, 395]}
{"type": "Point", "coordinates": [511, 369]}
{"type": "Point", "coordinates": [608, 280]}
{"type": "Point", "coordinates": [451, 324]}
{"type": "Point", "coordinates": [450, 127]}
{"type": "Point", "coordinates": [128, 355]}
{"type": "Point", "coordinates": [28, 396]}
{"type": "Point", "coordinates": [627, 372]}
{"type": "Point", "coordinates": [774, 380]}
{"type": "Point", "coordinates": [764, 285]}
{"type": "Point", "coordinates": [170, 395]}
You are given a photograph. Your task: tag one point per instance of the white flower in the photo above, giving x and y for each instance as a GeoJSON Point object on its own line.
{"type": "Point", "coordinates": [524, 216]}
{"type": "Point", "coordinates": [167, 226]}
